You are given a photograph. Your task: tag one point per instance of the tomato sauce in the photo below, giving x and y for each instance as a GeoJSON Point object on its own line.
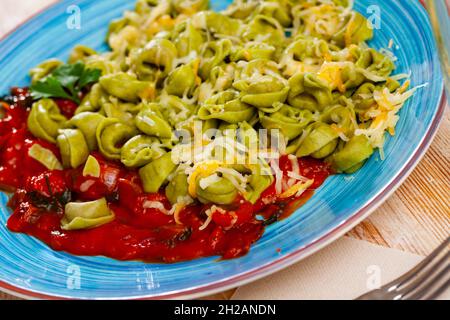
{"type": "Point", "coordinates": [137, 233]}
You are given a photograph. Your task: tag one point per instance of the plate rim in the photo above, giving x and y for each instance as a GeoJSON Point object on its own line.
{"type": "Point", "coordinates": [280, 263]}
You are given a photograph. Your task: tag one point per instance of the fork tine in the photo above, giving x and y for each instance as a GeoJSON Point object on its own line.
{"type": "Point", "coordinates": [419, 269]}
{"type": "Point", "coordinates": [431, 285]}
{"type": "Point", "coordinates": [428, 279]}
{"type": "Point", "coordinates": [426, 274]}
{"type": "Point", "coordinates": [437, 292]}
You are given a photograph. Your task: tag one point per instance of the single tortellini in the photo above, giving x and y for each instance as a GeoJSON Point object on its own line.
{"type": "Point", "coordinates": [187, 38]}
{"type": "Point", "coordinates": [111, 135]}
{"type": "Point", "coordinates": [305, 54]}
{"type": "Point", "coordinates": [183, 80]}
{"type": "Point", "coordinates": [221, 192]}
{"type": "Point", "coordinates": [151, 121]}
{"type": "Point", "coordinates": [351, 157]}
{"type": "Point", "coordinates": [278, 10]}
{"type": "Point", "coordinates": [103, 64]}
{"type": "Point", "coordinates": [141, 150]}
{"type": "Point", "coordinates": [144, 7]}
{"type": "Point", "coordinates": [331, 23]}
{"type": "Point", "coordinates": [218, 23]}
{"type": "Point", "coordinates": [363, 97]}
{"type": "Point", "coordinates": [175, 110]}
{"type": "Point", "coordinates": [357, 29]}
{"type": "Point", "coordinates": [309, 92]}
{"type": "Point", "coordinates": [86, 215]}
{"type": "Point", "coordinates": [261, 85]}
{"type": "Point", "coordinates": [253, 50]}
{"type": "Point", "coordinates": [259, 179]}
{"type": "Point", "coordinates": [44, 69]}
{"type": "Point", "coordinates": [343, 117]}
{"type": "Point", "coordinates": [45, 120]}
{"type": "Point", "coordinates": [177, 187]}
{"type": "Point", "coordinates": [264, 28]}
{"type": "Point", "coordinates": [87, 123]}
{"type": "Point", "coordinates": [123, 33]}
{"type": "Point", "coordinates": [188, 7]}
{"type": "Point", "coordinates": [155, 174]}
{"type": "Point", "coordinates": [320, 141]}
{"type": "Point", "coordinates": [289, 120]}
{"type": "Point", "coordinates": [155, 60]}
{"type": "Point", "coordinates": [73, 147]}
{"type": "Point", "coordinates": [226, 106]}
{"type": "Point", "coordinates": [124, 111]}
{"type": "Point", "coordinates": [241, 9]}
{"type": "Point", "coordinates": [81, 53]}
{"type": "Point", "coordinates": [126, 86]}
{"type": "Point", "coordinates": [214, 53]}
{"type": "Point", "coordinates": [375, 63]}
{"type": "Point", "coordinates": [94, 100]}
{"type": "Point", "coordinates": [220, 79]}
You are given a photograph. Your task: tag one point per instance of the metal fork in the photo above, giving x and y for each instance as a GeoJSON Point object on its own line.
{"type": "Point", "coordinates": [426, 281]}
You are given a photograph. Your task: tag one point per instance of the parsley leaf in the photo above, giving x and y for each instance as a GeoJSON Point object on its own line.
{"type": "Point", "coordinates": [65, 82]}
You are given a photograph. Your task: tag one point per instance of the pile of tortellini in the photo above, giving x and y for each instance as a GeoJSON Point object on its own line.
{"type": "Point", "coordinates": [299, 66]}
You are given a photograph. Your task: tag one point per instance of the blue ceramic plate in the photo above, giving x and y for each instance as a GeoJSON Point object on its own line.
{"type": "Point", "coordinates": [30, 269]}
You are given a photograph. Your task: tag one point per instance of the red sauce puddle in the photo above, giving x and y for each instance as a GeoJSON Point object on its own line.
{"type": "Point", "coordinates": [136, 233]}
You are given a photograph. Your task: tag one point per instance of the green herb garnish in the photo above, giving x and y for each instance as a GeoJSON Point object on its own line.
{"type": "Point", "coordinates": [65, 82]}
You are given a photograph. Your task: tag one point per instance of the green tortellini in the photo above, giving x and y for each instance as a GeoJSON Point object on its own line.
{"type": "Point", "coordinates": [321, 140]}
{"type": "Point", "coordinates": [45, 120]}
{"type": "Point", "coordinates": [220, 192]}
{"type": "Point", "coordinates": [260, 179]}
{"type": "Point", "coordinates": [375, 62]}
{"type": "Point", "coordinates": [242, 9]}
{"type": "Point", "coordinates": [73, 147]}
{"type": "Point", "coordinates": [226, 106]}
{"type": "Point", "coordinates": [352, 155]}
{"type": "Point", "coordinates": [124, 111]}
{"type": "Point", "coordinates": [155, 174]}
{"type": "Point", "coordinates": [289, 120]}
{"type": "Point", "coordinates": [125, 86]}
{"type": "Point", "coordinates": [214, 53]}
{"type": "Point", "coordinates": [178, 187]}
{"type": "Point", "coordinates": [101, 63]}
{"type": "Point", "coordinates": [309, 92]}
{"type": "Point", "coordinates": [265, 29]}
{"type": "Point", "coordinates": [278, 10]}
{"type": "Point", "coordinates": [175, 110]}
{"type": "Point", "coordinates": [155, 60]}
{"type": "Point", "coordinates": [183, 80]}
{"type": "Point", "coordinates": [357, 30]}
{"type": "Point", "coordinates": [253, 50]}
{"type": "Point", "coordinates": [344, 117]}
{"type": "Point", "coordinates": [219, 24]}
{"type": "Point", "coordinates": [189, 6]}
{"type": "Point", "coordinates": [141, 150]}
{"type": "Point", "coordinates": [86, 215]}
{"type": "Point", "coordinates": [111, 133]}
{"type": "Point", "coordinates": [151, 122]}
{"type": "Point", "coordinates": [81, 53]}
{"type": "Point", "coordinates": [94, 100]}
{"type": "Point", "coordinates": [305, 54]}
{"type": "Point", "coordinates": [261, 85]}
{"type": "Point", "coordinates": [44, 69]}
{"type": "Point", "coordinates": [187, 38]}
{"type": "Point", "coordinates": [87, 123]}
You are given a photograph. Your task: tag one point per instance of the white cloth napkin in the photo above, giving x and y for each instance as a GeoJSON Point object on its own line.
{"type": "Point", "coordinates": [344, 270]}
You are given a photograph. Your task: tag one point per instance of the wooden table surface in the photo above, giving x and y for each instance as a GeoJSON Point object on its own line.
{"type": "Point", "coordinates": [416, 218]}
